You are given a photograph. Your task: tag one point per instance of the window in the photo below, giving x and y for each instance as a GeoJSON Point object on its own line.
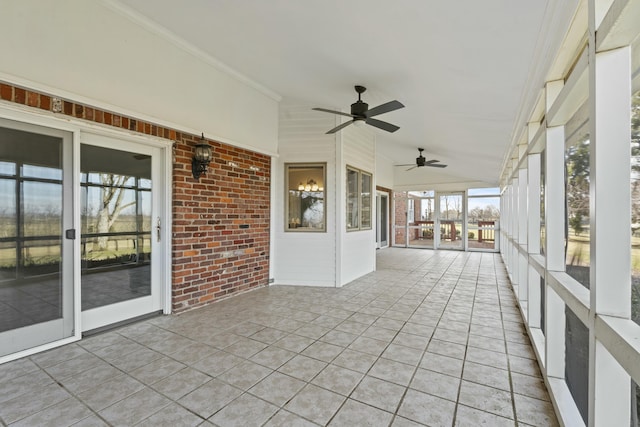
{"type": "Point", "coordinates": [483, 213]}
{"type": "Point", "coordinates": [359, 187]}
{"type": "Point", "coordinates": [305, 208]}
{"type": "Point", "coordinates": [577, 179]}
{"type": "Point", "coordinates": [635, 207]}
{"type": "Point", "coordinates": [543, 228]}
{"type": "Point", "coordinates": [365, 200]}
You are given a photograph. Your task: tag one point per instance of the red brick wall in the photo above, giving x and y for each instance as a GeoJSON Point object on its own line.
{"type": "Point", "coordinates": [400, 210]}
{"type": "Point", "coordinates": [220, 223]}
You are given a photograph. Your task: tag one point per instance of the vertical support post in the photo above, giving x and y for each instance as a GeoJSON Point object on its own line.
{"type": "Point", "coordinates": [554, 222]}
{"type": "Point", "coordinates": [533, 244]}
{"type": "Point", "coordinates": [610, 124]}
{"type": "Point", "coordinates": [515, 186]}
{"type": "Point", "coordinates": [554, 191]}
{"type": "Point", "coordinates": [523, 260]}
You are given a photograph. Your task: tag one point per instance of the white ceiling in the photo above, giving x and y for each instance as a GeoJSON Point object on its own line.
{"type": "Point", "coordinates": [460, 67]}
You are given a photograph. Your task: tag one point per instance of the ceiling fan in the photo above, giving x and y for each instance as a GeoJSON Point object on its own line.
{"type": "Point", "coordinates": [421, 161]}
{"type": "Point", "coordinates": [360, 112]}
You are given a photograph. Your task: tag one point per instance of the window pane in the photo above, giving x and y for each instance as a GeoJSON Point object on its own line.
{"type": "Point", "coordinates": [400, 202]}
{"type": "Point", "coordinates": [8, 221]}
{"type": "Point", "coordinates": [543, 228]}
{"type": "Point", "coordinates": [144, 183]}
{"type": "Point", "coordinates": [543, 326]}
{"type": "Point", "coordinates": [41, 209]}
{"type": "Point", "coordinates": [7, 168]}
{"type": "Point", "coordinates": [42, 172]}
{"type": "Point", "coordinates": [109, 210]}
{"type": "Point", "coordinates": [305, 210]}
{"type": "Point", "coordinates": [111, 179]}
{"type": "Point", "coordinates": [366, 201]}
{"type": "Point", "coordinates": [8, 260]}
{"type": "Point", "coordinates": [635, 207]}
{"type": "Point", "coordinates": [484, 191]}
{"type": "Point", "coordinates": [482, 215]}
{"type": "Point", "coordinates": [577, 362]}
{"type": "Point", "coordinates": [352, 200]}
{"type": "Point", "coordinates": [577, 179]}
{"type": "Point", "coordinates": [41, 257]}
{"type": "Point", "coordinates": [427, 209]}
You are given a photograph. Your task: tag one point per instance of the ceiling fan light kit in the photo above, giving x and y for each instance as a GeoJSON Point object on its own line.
{"type": "Point", "coordinates": [360, 113]}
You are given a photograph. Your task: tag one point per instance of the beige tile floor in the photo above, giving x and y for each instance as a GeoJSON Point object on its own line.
{"type": "Point", "coordinates": [432, 338]}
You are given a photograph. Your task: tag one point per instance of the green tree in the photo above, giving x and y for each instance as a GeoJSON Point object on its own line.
{"type": "Point", "coordinates": [577, 181]}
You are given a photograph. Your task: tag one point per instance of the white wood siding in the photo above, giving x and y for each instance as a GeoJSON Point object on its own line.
{"type": "Point", "coordinates": [305, 258]}
{"type": "Point", "coordinates": [357, 248]}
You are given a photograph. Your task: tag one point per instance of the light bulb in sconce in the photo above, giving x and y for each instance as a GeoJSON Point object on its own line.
{"type": "Point", "coordinates": [307, 187]}
{"type": "Point", "coordinates": [301, 187]}
{"type": "Point", "coordinates": [314, 187]}
{"type": "Point", "coordinates": [320, 189]}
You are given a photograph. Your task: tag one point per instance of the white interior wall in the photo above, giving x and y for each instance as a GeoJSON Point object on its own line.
{"type": "Point", "coordinates": [304, 258]}
{"type": "Point", "coordinates": [357, 247]}
{"type": "Point", "coordinates": [97, 53]}
{"type": "Point", "coordinates": [335, 257]}
{"type": "Point", "coordinates": [384, 171]}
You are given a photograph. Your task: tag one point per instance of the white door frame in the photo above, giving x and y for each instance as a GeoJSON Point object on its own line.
{"type": "Point", "coordinates": [436, 223]}
{"type": "Point", "coordinates": [28, 116]}
{"type": "Point", "coordinates": [379, 207]}
{"type": "Point", "coordinates": [160, 244]}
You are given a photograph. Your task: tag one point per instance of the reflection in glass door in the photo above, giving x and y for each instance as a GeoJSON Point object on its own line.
{"type": "Point", "coordinates": [450, 221]}
{"type": "Point", "coordinates": [36, 262]}
{"type": "Point", "coordinates": [382, 216]}
{"type": "Point", "coordinates": [120, 228]}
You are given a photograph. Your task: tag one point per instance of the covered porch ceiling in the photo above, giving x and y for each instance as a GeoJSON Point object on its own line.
{"type": "Point", "coordinates": [468, 72]}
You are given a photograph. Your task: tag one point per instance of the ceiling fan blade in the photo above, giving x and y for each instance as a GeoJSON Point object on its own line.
{"type": "Point", "coordinates": [333, 112]}
{"type": "Point", "coordinates": [384, 108]}
{"type": "Point", "coordinates": [337, 128]}
{"type": "Point", "coordinates": [382, 125]}
{"type": "Point", "coordinates": [433, 165]}
{"type": "Point", "coordinates": [408, 164]}
{"type": "Point", "coordinates": [414, 166]}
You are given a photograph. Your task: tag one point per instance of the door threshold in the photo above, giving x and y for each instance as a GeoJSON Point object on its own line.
{"type": "Point", "coordinates": [116, 325]}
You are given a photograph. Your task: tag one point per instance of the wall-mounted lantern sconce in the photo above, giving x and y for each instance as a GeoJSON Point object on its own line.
{"type": "Point", "coordinates": [201, 158]}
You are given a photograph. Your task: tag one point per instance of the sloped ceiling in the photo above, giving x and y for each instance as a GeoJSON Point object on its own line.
{"type": "Point", "coordinates": [466, 70]}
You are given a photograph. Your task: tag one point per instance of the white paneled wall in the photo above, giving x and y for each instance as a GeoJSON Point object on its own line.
{"type": "Point", "coordinates": [334, 257]}
{"type": "Point", "coordinates": [358, 248]}
{"type": "Point", "coordinates": [304, 258]}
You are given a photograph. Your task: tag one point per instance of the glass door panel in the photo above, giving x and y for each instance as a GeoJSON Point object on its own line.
{"type": "Point", "coordinates": [483, 214]}
{"type": "Point", "coordinates": [421, 225]}
{"type": "Point", "coordinates": [118, 233]}
{"type": "Point", "coordinates": [36, 262]}
{"type": "Point", "coordinates": [382, 217]}
{"type": "Point", "coordinates": [402, 207]}
{"type": "Point", "coordinates": [450, 219]}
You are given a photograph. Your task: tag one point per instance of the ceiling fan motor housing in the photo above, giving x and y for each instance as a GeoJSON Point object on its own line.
{"type": "Point", "coordinates": [420, 160]}
{"type": "Point", "coordinates": [359, 108]}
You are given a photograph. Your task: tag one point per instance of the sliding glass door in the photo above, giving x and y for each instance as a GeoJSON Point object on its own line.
{"type": "Point", "coordinates": [36, 236]}
{"type": "Point", "coordinates": [121, 227]}
{"type": "Point", "coordinates": [451, 221]}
